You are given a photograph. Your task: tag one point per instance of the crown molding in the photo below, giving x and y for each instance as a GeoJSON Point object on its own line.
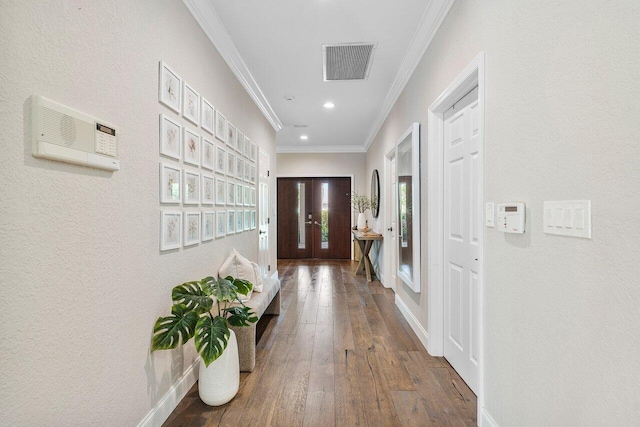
{"type": "Point", "coordinates": [430, 23]}
{"type": "Point", "coordinates": [206, 16]}
{"type": "Point", "coordinates": [316, 149]}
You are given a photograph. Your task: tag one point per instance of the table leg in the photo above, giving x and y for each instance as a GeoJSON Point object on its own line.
{"type": "Point", "coordinates": [361, 263]}
{"type": "Point", "coordinates": [367, 262]}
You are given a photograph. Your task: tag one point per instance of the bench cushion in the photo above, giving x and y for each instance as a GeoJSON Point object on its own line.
{"type": "Point", "coordinates": [260, 300]}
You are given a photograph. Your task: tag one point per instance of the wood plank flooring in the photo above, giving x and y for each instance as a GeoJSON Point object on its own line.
{"type": "Point", "coordinates": [340, 354]}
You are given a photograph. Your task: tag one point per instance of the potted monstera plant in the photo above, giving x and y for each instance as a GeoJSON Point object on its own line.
{"type": "Point", "coordinates": [192, 316]}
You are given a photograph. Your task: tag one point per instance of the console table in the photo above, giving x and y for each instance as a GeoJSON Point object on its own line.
{"type": "Point", "coordinates": [365, 241]}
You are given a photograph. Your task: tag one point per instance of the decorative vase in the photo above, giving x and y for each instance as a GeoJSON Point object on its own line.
{"type": "Point", "coordinates": [362, 221]}
{"type": "Point", "coordinates": [220, 381]}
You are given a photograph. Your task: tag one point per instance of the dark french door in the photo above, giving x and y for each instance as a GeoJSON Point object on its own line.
{"type": "Point", "coordinates": [314, 218]}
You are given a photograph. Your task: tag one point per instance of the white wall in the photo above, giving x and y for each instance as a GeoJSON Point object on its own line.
{"type": "Point", "coordinates": [81, 273]}
{"type": "Point", "coordinates": [561, 314]}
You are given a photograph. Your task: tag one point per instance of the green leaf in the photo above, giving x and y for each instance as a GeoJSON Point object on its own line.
{"type": "Point", "coordinates": [223, 290]}
{"type": "Point", "coordinates": [240, 316]}
{"type": "Point", "coordinates": [171, 331]}
{"type": "Point", "coordinates": [211, 338]}
{"type": "Point", "coordinates": [193, 296]}
{"type": "Point", "coordinates": [242, 286]}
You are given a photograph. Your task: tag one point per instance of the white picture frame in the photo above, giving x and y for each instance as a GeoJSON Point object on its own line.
{"type": "Point", "coordinates": [247, 172]}
{"type": "Point", "coordinates": [221, 127]}
{"type": "Point", "coordinates": [247, 220]}
{"type": "Point", "coordinates": [239, 170]}
{"type": "Point", "coordinates": [231, 222]}
{"type": "Point", "coordinates": [252, 174]}
{"type": "Point", "coordinates": [239, 193]}
{"type": "Point", "coordinates": [253, 220]}
{"type": "Point", "coordinates": [253, 152]}
{"type": "Point", "coordinates": [170, 230]}
{"type": "Point", "coordinates": [170, 137]}
{"type": "Point", "coordinates": [239, 221]}
{"type": "Point", "coordinates": [221, 223]}
{"type": "Point", "coordinates": [191, 188]}
{"type": "Point", "coordinates": [191, 231]}
{"type": "Point", "coordinates": [169, 88]}
{"type": "Point", "coordinates": [208, 188]}
{"type": "Point", "coordinates": [231, 164]}
{"type": "Point", "coordinates": [170, 183]}
{"type": "Point", "coordinates": [208, 225]}
{"type": "Point", "coordinates": [191, 147]}
{"type": "Point", "coordinates": [239, 141]}
{"type": "Point", "coordinates": [208, 160]}
{"type": "Point", "coordinates": [221, 160]}
{"type": "Point", "coordinates": [190, 104]}
{"type": "Point", "coordinates": [208, 116]}
{"type": "Point", "coordinates": [221, 189]}
{"type": "Point", "coordinates": [246, 150]}
{"type": "Point", "coordinates": [252, 196]}
{"type": "Point", "coordinates": [231, 193]}
{"type": "Point", "coordinates": [231, 134]}
{"type": "Point", "coordinates": [246, 195]}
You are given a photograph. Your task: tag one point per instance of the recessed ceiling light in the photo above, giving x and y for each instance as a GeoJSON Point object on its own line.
{"type": "Point", "coordinates": [329, 105]}
{"type": "Point", "coordinates": [289, 97]}
{"type": "Point", "coordinates": [304, 137]}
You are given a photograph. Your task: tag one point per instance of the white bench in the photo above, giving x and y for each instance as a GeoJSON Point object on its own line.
{"type": "Point", "coordinates": [265, 302]}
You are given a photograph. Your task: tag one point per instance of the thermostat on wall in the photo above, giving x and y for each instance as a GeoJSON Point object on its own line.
{"type": "Point", "coordinates": [66, 135]}
{"type": "Point", "coordinates": [511, 217]}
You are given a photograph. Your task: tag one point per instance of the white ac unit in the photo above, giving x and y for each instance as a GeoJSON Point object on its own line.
{"type": "Point", "coordinates": [67, 135]}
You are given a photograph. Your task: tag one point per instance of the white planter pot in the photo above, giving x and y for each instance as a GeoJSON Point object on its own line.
{"type": "Point", "coordinates": [362, 221]}
{"type": "Point", "coordinates": [219, 382]}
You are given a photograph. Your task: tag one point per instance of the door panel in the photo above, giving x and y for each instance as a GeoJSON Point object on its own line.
{"type": "Point", "coordinates": [263, 212]}
{"type": "Point", "coordinates": [323, 229]}
{"type": "Point", "coordinates": [462, 216]}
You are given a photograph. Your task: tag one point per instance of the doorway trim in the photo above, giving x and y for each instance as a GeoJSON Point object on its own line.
{"type": "Point", "coordinates": [387, 273]}
{"type": "Point", "coordinates": [471, 76]}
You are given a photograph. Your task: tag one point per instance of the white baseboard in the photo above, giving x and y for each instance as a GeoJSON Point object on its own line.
{"type": "Point", "coordinates": [159, 413]}
{"type": "Point", "coordinates": [422, 334]}
{"type": "Point", "coordinates": [487, 420]}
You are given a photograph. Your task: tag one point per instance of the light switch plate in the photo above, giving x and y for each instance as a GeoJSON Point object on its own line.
{"type": "Point", "coordinates": [489, 215]}
{"type": "Point", "coordinates": [568, 218]}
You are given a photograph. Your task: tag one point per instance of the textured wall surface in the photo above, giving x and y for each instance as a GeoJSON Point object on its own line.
{"type": "Point", "coordinates": [81, 272]}
{"type": "Point", "coordinates": [561, 314]}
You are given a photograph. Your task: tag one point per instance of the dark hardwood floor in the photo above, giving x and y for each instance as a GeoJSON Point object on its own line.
{"type": "Point", "coordinates": [340, 354]}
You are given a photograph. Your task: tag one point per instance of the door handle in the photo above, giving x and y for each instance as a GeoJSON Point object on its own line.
{"type": "Point", "coordinates": [263, 232]}
{"type": "Point", "coordinates": [317, 223]}
{"type": "Point", "coordinates": [390, 229]}
{"type": "Point", "coordinates": [308, 222]}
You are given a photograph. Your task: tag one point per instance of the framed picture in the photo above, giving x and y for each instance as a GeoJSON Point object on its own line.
{"type": "Point", "coordinates": [252, 174]}
{"type": "Point", "coordinates": [221, 187]}
{"type": "Point", "coordinates": [247, 220]}
{"type": "Point", "coordinates": [239, 141]}
{"type": "Point", "coordinates": [208, 154]}
{"type": "Point", "coordinates": [208, 224]}
{"type": "Point", "coordinates": [169, 88]}
{"type": "Point", "coordinates": [207, 190]}
{"type": "Point", "coordinates": [246, 151]}
{"type": "Point", "coordinates": [191, 104]}
{"type": "Point", "coordinates": [247, 171]}
{"type": "Point", "coordinates": [231, 222]}
{"type": "Point", "coordinates": [221, 127]}
{"type": "Point", "coordinates": [231, 193]}
{"type": "Point", "coordinates": [191, 147]}
{"type": "Point", "coordinates": [221, 223]}
{"type": "Point", "coordinates": [231, 163]}
{"type": "Point", "coordinates": [239, 222]}
{"type": "Point", "coordinates": [253, 220]}
{"type": "Point", "coordinates": [170, 230]}
{"type": "Point", "coordinates": [253, 152]}
{"type": "Point", "coordinates": [207, 116]}
{"type": "Point", "coordinates": [252, 196]}
{"type": "Point", "coordinates": [170, 137]}
{"type": "Point", "coordinates": [191, 228]}
{"type": "Point", "coordinates": [221, 160]}
{"type": "Point", "coordinates": [169, 183]}
{"type": "Point", "coordinates": [239, 167]}
{"type": "Point", "coordinates": [247, 195]}
{"type": "Point", "coordinates": [231, 135]}
{"type": "Point", "coordinates": [191, 188]}
{"type": "Point", "coordinates": [239, 194]}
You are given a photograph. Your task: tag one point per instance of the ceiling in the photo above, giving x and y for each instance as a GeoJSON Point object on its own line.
{"type": "Point", "coordinates": [275, 49]}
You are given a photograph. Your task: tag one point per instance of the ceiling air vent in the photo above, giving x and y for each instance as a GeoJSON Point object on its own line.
{"type": "Point", "coordinates": [347, 61]}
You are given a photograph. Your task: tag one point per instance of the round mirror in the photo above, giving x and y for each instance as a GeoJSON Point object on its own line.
{"type": "Point", "coordinates": [375, 193]}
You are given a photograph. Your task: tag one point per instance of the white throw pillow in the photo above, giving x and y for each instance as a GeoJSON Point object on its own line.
{"type": "Point", "coordinates": [257, 285]}
{"type": "Point", "coordinates": [238, 267]}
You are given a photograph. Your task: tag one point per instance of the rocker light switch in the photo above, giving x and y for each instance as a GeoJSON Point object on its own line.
{"type": "Point", "coordinates": [489, 215]}
{"type": "Point", "coordinates": [568, 218]}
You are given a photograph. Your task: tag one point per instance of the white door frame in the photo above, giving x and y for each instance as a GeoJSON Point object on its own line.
{"type": "Point", "coordinates": [472, 75]}
{"type": "Point", "coordinates": [388, 214]}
